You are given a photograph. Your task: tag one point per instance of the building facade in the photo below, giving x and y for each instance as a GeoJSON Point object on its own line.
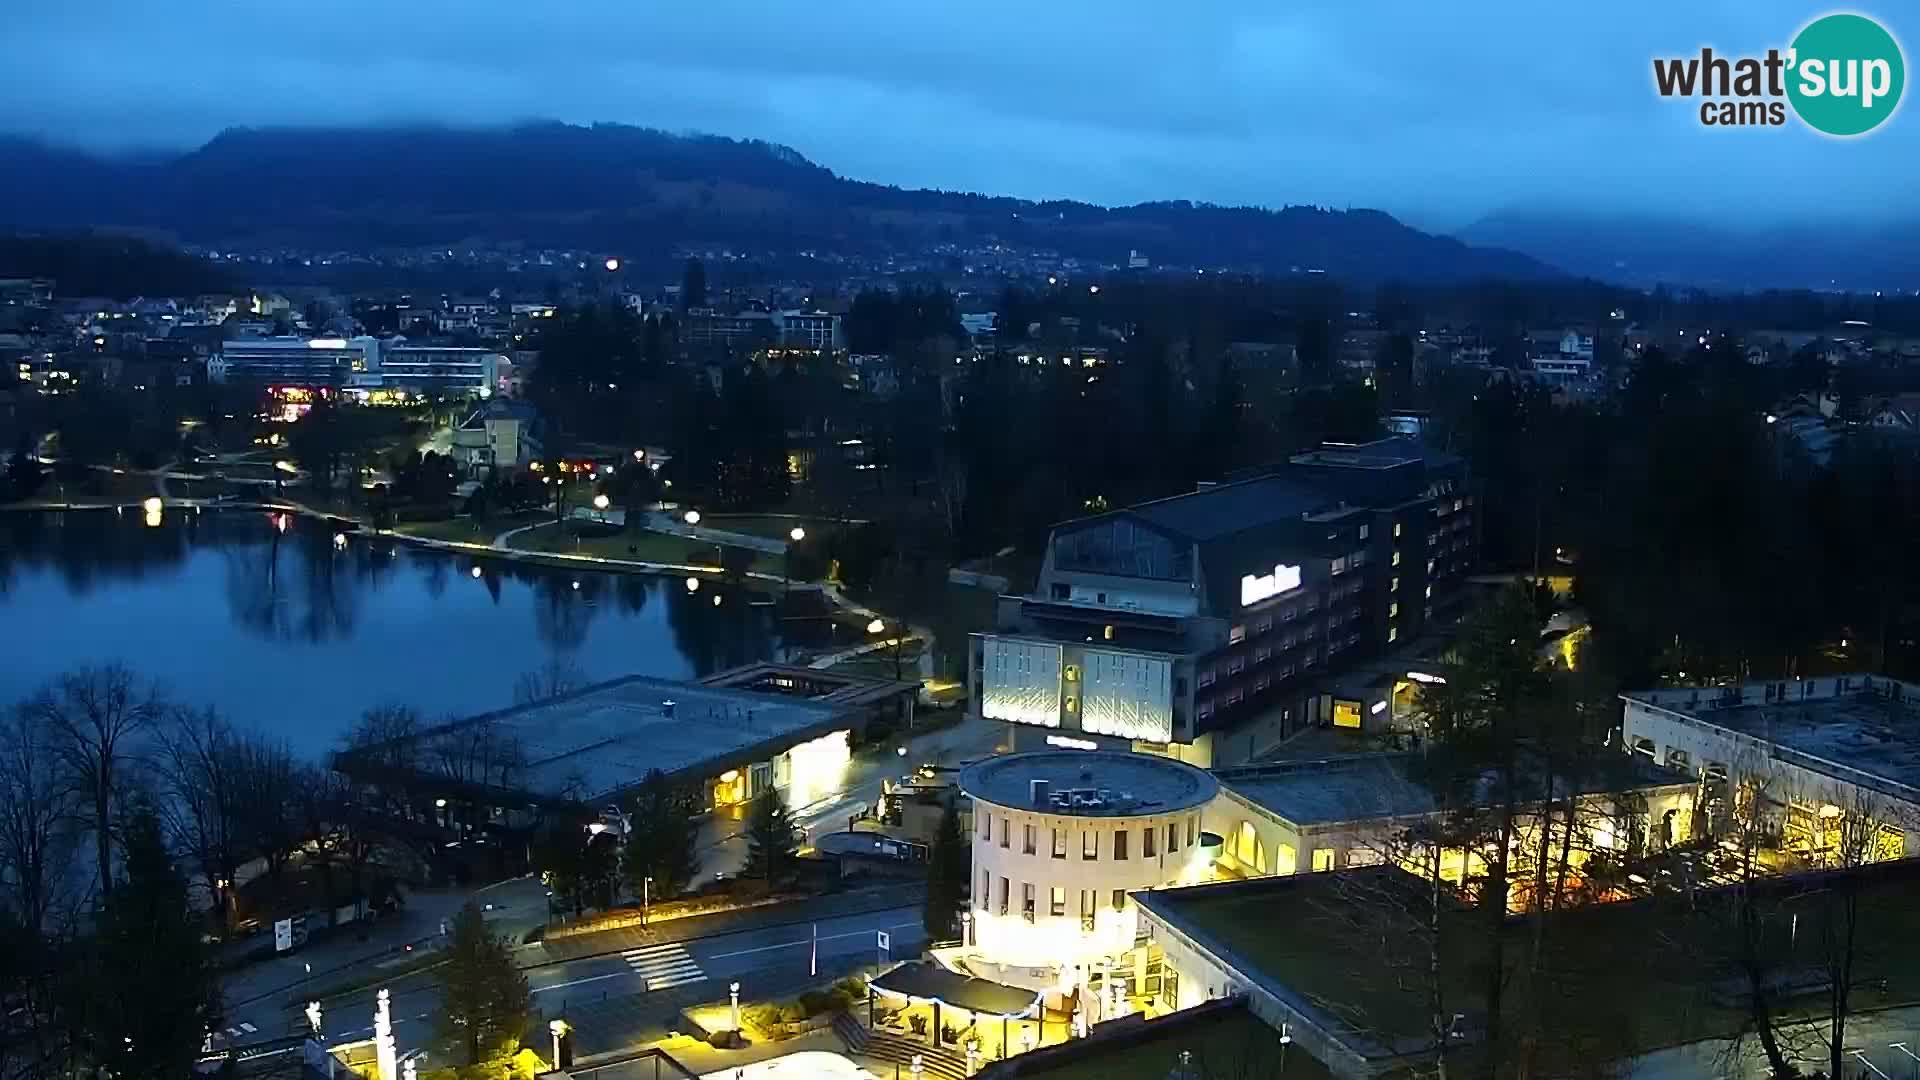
{"type": "Point", "coordinates": [363, 364]}
{"type": "Point", "coordinates": [1831, 765]}
{"type": "Point", "coordinates": [1174, 625]}
{"type": "Point", "coordinates": [1060, 838]}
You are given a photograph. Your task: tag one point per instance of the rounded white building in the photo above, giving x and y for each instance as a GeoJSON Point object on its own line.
{"type": "Point", "coordinates": [1059, 839]}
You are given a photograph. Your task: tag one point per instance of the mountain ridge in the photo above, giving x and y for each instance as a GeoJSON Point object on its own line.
{"type": "Point", "coordinates": [612, 185]}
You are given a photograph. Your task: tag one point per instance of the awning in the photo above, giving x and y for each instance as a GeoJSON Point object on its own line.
{"type": "Point", "coordinates": [925, 981]}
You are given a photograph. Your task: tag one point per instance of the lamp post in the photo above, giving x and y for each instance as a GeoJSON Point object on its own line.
{"type": "Point", "coordinates": [795, 535]}
{"type": "Point", "coordinates": [691, 517]}
{"type": "Point", "coordinates": [600, 503]}
{"type": "Point", "coordinates": [646, 900]}
{"type": "Point", "coordinates": [733, 1003]}
{"type": "Point", "coordinates": [559, 1030]}
{"type": "Point", "coordinates": [878, 627]}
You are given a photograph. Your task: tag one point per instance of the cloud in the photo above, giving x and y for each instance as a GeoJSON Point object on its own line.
{"type": "Point", "coordinates": [1439, 112]}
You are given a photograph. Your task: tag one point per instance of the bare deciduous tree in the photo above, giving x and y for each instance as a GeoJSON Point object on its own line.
{"type": "Point", "coordinates": [98, 719]}
{"type": "Point", "coordinates": [200, 768]}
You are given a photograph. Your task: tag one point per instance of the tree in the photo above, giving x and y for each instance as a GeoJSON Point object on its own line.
{"type": "Point", "coordinates": [484, 997]}
{"type": "Point", "coordinates": [148, 991]}
{"type": "Point", "coordinates": [660, 846]}
{"type": "Point", "coordinates": [200, 768]}
{"type": "Point", "coordinates": [693, 285]}
{"type": "Point", "coordinates": [772, 848]}
{"type": "Point", "coordinates": [949, 865]}
{"type": "Point", "coordinates": [24, 474]}
{"type": "Point", "coordinates": [98, 719]}
{"type": "Point", "coordinates": [38, 838]}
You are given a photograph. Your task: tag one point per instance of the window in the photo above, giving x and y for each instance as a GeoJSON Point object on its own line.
{"type": "Point", "coordinates": [1088, 903]}
{"type": "Point", "coordinates": [986, 826]}
{"type": "Point", "coordinates": [1089, 845]}
{"type": "Point", "coordinates": [1119, 844]}
{"type": "Point", "coordinates": [1004, 825]}
{"type": "Point", "coordinates": [1059, 843]}
{"type": "Point", "coordinates": [1003, 896]}
{"type": "Point", "coordinates": [1363, 532]}
{"type": "Point", "coordinates": [1393, 634]}
{"type": "Point", "coordinates": [1147, 845]}
{"type": "Point", "coordinates": [1364, 857]}
{"type": "Point", "coordinates": [1393, 610]}
{"type": "Point", "coordinates": [1026, 839]}
{"type": "Point", "coordinates": [1062, 592]}
{"type": "Point", "coordinates": [1394, 584]}
{"type": "Point", "coordinates": [1264, 625]}
{"type": "Point", "coordinates": [1239, 665]}
{"type": "Point", "coordinates": [1431, 564]}
{"type": "Point", "coordinates": [1429, 592]}
{"type": "Point", "coordinates": [1237, 634]}
{"type": "Point", "coordinates": [1106, 632]}
{"type": "Point", "coordinates": [1173, 837]}
{"type": "Point", "coordinates": [1119, 899]}
{"type": "Point", "coordinates": [1262, 654]}
{"type": "Point", "coordinates": [1193, 827]}
{"type": "Point", "coordinates": [1396, 530]}
{"type": "Point", "coordinates": [1322, 859]}
{"type": "Point", "coordinates": [1057, 901]}
{"type": "Point", "coordinates": [986, 890]}
{"type": "Point", "coordinates": [1026, 899]}
{"type": "Point", "coordinates": [1396, 557]}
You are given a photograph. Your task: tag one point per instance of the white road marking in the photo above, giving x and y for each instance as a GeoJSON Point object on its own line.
{"type": "Point", "coordinates": [664, 966]}
{"type": "Point", "coordinates": [577, 982]}
{"type": "Point", "coordinates": [867, 933]}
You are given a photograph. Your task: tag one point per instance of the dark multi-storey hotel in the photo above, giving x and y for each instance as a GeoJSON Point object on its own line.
{"type": "Point", "coordinates": [1208, 625]}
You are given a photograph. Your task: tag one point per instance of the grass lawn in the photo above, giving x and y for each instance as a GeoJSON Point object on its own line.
{"type": "Point", "coordinates": [461, 529]}
{"type": "Point", "coordinates": [646, 546]}
{"type": "Point", "coordinates": [772, 526]}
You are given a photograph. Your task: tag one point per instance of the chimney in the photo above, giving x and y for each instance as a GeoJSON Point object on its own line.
{"type": "Point", "coordinates": [1040, 790]}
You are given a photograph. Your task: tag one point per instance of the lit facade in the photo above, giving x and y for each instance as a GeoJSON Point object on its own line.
{"type": "Point", "coordinates": [1829, 762]}
{"type": "Point", "coordinates": [1201, 625]}
{"type": "Point", "coordinates": [364, 364]}
{"type": "Point", "coordinates": [1060, 838]}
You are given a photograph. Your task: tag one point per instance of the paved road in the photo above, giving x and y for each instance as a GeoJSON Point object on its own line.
{"type": "Point", "coordinates": [1871, 1039]}
{"type": "Point", "coordinates": [618, 999]}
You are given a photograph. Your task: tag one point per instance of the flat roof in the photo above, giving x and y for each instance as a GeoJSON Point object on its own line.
{"type": "Point", "coordinates": [1366, 786]}
{"type": "Point", "coordinates": [1116, 783]}
{"type": "Point", "coordinates": [598, 741]}
{"type": "Point", "coordinates": [1869, 729]}
{"type": "Point", "coordinates": [1224, 1038]}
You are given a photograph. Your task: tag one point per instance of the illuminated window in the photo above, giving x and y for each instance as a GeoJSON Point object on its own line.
{"type": "Point", "coordinates": [1393, 634]}
{"type": "Point", "coordinates": [1284, 861]}
{"type": "Point", "coordinates": [1057, 901]}
{"type": "Point", "coordinates": [1429, 592]}
{"type": "Point", "coordinates": [1119, 899]}
{"type": "Point", "coordinates": [1148, 849]}
{"type": "Point", "coordinates": [1236, 635]}
{"type": "Point", "coordinates": [1119, 844]}
{"type": "Point", "coordinates": [1107, 633]}
{"type": "Point", "coordinates": [1059, 843]}
{"type": "Point", "coordinates": [1322, 859]}
{"type": "Point", "coordinates": [1393, 585]}
{"type": "Point", "coordinates": [1396, 530]}
{"type": "Point", "coordinates": [1089, 845]}
{"type": "Point", "coordinates": [1026, 839]}
{"type": "Point", "coordinates": [1393, 610]}
{"type": "Point", "coordinates": [1396, 558]}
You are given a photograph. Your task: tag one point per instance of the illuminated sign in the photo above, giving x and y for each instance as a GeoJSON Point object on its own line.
{"type": "Point", "coordinates": [1068, 742]}
{"type": "Point", "coordinates": [1255, 588]}
{"type": "Point", "coordinates": [1378, 708]}
{"type": "Point", "coordinates": [1421, 676]}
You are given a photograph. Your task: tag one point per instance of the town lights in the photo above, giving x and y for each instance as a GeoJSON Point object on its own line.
{"type": "Point", "coordinates": [476, 573]}
{"type": "Point", "coordinates": [601, 502]}
{"type": "Point", "coordinates": [639, 455]}
{"type": "Point", "coordinates": [693, 584]}
{"type": "Point", "coordinates": [613, 265]}
{"type": "Point", "coordinates": [152, 505]}
{"type": "Point", "coordinates": [797, 534]}
{"type": "Point", "coordinates": [876, 627]}
{"type": "Point", "coordinates": [692, 517]}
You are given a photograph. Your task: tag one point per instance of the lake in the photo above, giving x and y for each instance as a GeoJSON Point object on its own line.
{"type": "Point", "coordinates": [282, 628]}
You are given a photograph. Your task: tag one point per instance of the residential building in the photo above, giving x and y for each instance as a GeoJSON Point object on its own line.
{"type": "Point", "coordinates": [501, 434]}
{"type": "Point", "coordinates": [819, 330]}
{"type": "Point", "coordinates": [1819, 758]}
{"type": "Point", "coordinates": [1199, 625]}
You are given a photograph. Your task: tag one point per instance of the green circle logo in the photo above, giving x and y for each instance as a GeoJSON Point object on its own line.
{"type": "Point", "coordinates": [1847, 74]}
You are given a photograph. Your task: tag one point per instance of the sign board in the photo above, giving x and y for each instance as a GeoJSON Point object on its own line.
{"type": "Point", "coordinates": [282, 935]}
{"type": "Point", "coordinates": [885, 942]}
{"type": "Point", "coordinates": [1257, 587]}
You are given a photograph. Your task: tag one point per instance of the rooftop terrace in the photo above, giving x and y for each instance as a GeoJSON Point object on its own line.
{"type": "Point", "coordinates": [1089, 783]}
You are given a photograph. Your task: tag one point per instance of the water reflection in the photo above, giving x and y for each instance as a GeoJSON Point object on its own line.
{"type": "Point", "coordinates": [301, 633]}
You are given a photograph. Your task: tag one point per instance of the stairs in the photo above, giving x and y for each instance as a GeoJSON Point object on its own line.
{"type": "Point", "coordinates": [884, 1046]}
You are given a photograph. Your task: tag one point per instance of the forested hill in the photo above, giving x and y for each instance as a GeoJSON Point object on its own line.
{"type": "Point", "coordinates": [611, 186]}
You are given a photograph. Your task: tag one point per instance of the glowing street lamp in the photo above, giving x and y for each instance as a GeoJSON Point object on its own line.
{"type": "Point", "coordinates": [601, 502]}
{"type": "Point", "coordinates": [558, 1028]}
{"type": "Point", "coordinates": [733, 1001]}
{"type": "Point", "coordinates": [797, 534]}
{"type": "Point", "coordinates": [876, 627]}
{"type": "Point", "coordinates": [693, 584]}
{"type": "Point", "coordinates": [613, 265]}
{"type": "Point", "coordinates": [692, 517]}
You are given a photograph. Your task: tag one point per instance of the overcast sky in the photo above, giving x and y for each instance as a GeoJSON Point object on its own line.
{"type": "Point", "coordinates": [1436, 111]}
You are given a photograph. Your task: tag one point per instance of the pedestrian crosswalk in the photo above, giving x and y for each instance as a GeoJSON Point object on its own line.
{"type": "Point", "coordinates": [663, 966]}
{"type": "Point", "coordinates": [241, 1030]}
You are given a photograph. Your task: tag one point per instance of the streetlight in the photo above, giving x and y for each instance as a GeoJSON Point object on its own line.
{"type": "Point", "coordinates": [559, 1029]}
{"type": "Point", "coordinates": [646, 900]}
{"type": "Point", "coordinates": [798, 534]}
{"type": "Point", "coordinates": [877, 627]}
{"type": "Point", "coordinates": [693, 584]}
{"type": "Point", "coordinates": [600, 504]}
{"type": "Point", "coordinates": [733, 1001]}
{"type": "Point", "coordinates": [692, 517]}
{"type": "Point", "coordinates": [613, 265]}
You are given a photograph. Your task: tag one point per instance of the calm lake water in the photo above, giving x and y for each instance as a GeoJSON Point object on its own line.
{"type": "Point", "coordinates": [294, 635]}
